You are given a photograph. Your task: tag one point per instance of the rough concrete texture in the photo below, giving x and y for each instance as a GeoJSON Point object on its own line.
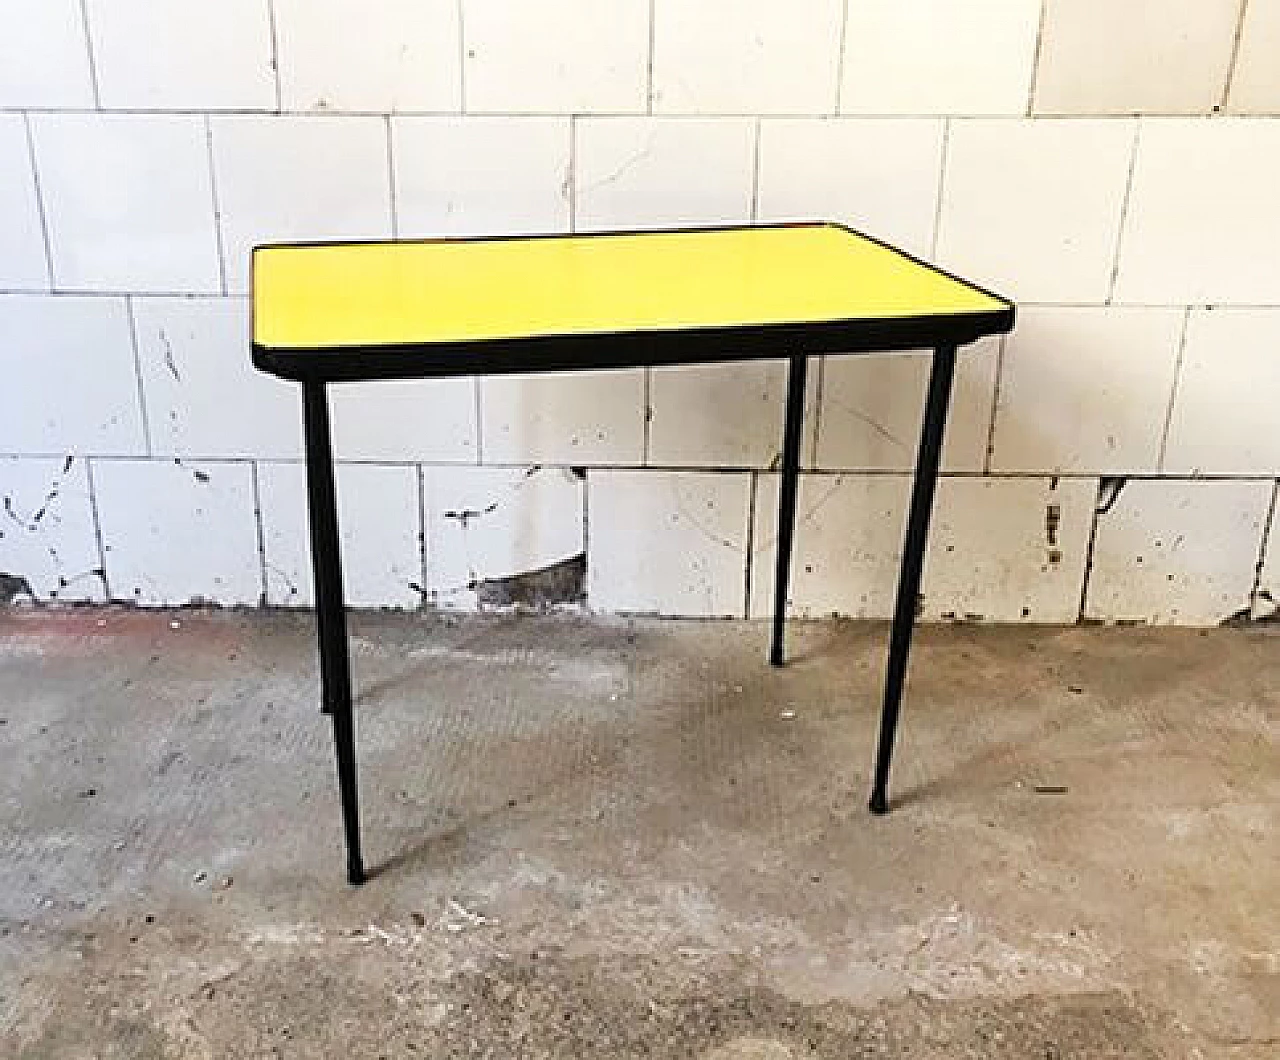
{"type": "Point", "coordinates": [623, 839]}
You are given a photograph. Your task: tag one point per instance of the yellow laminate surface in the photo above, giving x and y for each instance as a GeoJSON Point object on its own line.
{"type": "Point", "coordinates": [373, 294]}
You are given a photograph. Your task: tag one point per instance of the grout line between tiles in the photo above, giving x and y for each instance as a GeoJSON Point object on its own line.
{"type": "Point", "coordinates": [1173, 390]}
{"type": "Point", "coordinates": [40, 206]}
{"type": "Point", "coordinates": [1124, 213]}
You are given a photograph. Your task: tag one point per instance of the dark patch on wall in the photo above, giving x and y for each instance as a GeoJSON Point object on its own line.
{"type": "Point", "coordinates": [561, 583]}
{"type": "Point", "coordinates": [13, 586]}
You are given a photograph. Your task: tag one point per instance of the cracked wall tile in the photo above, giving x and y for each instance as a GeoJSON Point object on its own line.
{"type": "Point", "coordinates": [72, 359]}
{"type": "Point", "coordinates": [877, 175]}
{"type": "Point", "coordinates": [1176, 552]}
{"type": "Point", "coordinates": [1224, 411]}
{"type": "Point", "coordinates": [1202, 227]}
{"type": "Point", "coordinates": [745, 56]}
{"type": "Point", "coordinates": [22, 262]}
{"type": "Point", "coordinates": [1255, 82]}
{"type": "Point", "coordinates": [378, 521]}
{"type": "Point", "coordinates": [872, 406]}
{"type": "Point", "coordinates": [204, 397]}
{"type": "Point", "coordinates": [727, 415]}
{"type": "Point", "coordinates": [557, 56]}
{"type": "Point", "coordinates": [566, 418]}
{"type": "Point", "coordinates": [1085, 389]}
{"type": "Point", "coordinates": [44, 57]}
{"type": "Point", "coordinates": [922, 57]}
{"type": "Point", "coordinates": [175, 532]}
{"type": "Point", "coordinates": [1008, 549]}
{"type": "Point", "coordinates": [1032, 208]}
{"type": "Point", "coordinates": [387, 55]}
{"type": "Point", "coordinates": [453, 176]}
{"type": "Point", "coordinates": [283, 178]}
{"type": "Point", "coordinates": [488, 523]}
{"type": "Point", "coordinates": [46, 528]}
{"type": "Point", "coordinates": [1000, 550]}
{"type": "Point", "coordinates": [161, 54]}
{"type": "Point", "coordinates": [669, 542]}
{"type": "Point", "coordinates": [659, 172]}
{"type": "Point", "coordinates": [140, 217]}
{"type": "Point", "coordinates": [1101, 57]}
{"type": "Point", "coordinates": [847, 541]}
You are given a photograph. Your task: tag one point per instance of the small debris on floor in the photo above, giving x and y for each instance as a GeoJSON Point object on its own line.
{"type": "Point", "coordinates": [787, 714]}
{"type": "Point", "coordinates": [1050, 789]}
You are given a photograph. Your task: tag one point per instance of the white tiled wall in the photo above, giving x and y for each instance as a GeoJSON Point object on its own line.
{"type": "Point", "coordinates": [285, 178]}
{"type": "Point", "coordinates": [556, 56]}
{"type": "Point", "coordinates": [922, 57]}
{"type": "Point", "coordinates": [70, 363]}
{"type": "Point", "coordinates": [46, 528]}
{"type": "Point", "coordinates": [182, 54]}
{"type": "Point", "coordinates": [1086, 389]}
{"type": "Point", "coordinates": [378, 524]}
{"type": "Point", "coordinates": [1110, 166]}
{"type": "Point", "coordinates": [453, 175]}
{"type": "Point", "coordinates": [175, 531]}
{"type": "Point", "coordinates": [23, 266]}
{"type": "Point", "coordinates": [876, 175]}
{"type": "Point", "coordinates": [654, 172]}
{"type": "Point", "coordinates": [745, 56]}
{"type": "Point", "coordinates": [128, 200]}
{"type": "Point", "coordinates": [1170, 552]}
{"type": "Point", "coordinates": [358, 55]}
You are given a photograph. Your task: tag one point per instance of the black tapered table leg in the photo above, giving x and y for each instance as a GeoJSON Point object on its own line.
{"type": "Point", "coordinates": [331, 616]}
{"type": "Point", "coordinates": [904, 611]}
{"type": "Point", "coordinates": [787, 503]}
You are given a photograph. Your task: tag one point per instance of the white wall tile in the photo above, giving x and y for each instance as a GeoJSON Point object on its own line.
{"type": "Point", "coordinates": [847, 541]}
{"type": "Point", "coordinates": [872, 407]}
{"type": "Point", "coordinates": [389, 55]}
{"type": "Point", "coordinates": [1177, 553]}
{"type": "Point", "coordinates": [745, 56]}
{"type": "Point", "coordinates": [176, 532]}
{"type": "Point", "coordinates": [877, 175]}
{"type": "Point", "coordinates": [22, 262]}
{"type": "Point", "coordinates": [44, 59]}
{"type": "Point", "coordinates": [128, 201]}
{"type": "Point", "coordinates": [378, 523]}
{"type": "Point", "coordinates": [1003, 550]}
{"type": "Point", "coordinates": [1008, 550]}
{"type": "Point", "coordinates": [645, 173]}
{"type": "Point", "coordinates": [291, 178]}
{"type": "Point", "coordinates": [1224, 411]}
{"type": "Point", "coordinates": [922, 57]}
{"type": "Point", "coordinates": [70, 361]}
{"type": "Point", "coordinates": [564, 418]}
{"type": "Point", "coordinates": [46, 528]}
{"type": "Point", "coordinates": [719, 415]}
{"type": "Point", "coordinates": [396, 420]}
{"type": "Point", "coordinates": [669, 542]}
{"type": "Point", "coordinates": [1100, 57]}
{"type": "Point", "coordinates": [1202, 226]}
{"type": "Point", "coordinates": [204, 397]}
{"type": "Point", "coordinates": [1086, 389]}
{"type": "Point", "coordinates": [182, 54]}
{"type": "Point", "coordinates": [1033, 207]}
{"type": "Point", "coordinates": [491, 522]}
{"type": "Point", "coordinates": [481, 176]}
{"type": "Point", "coordinates": [556, 57]}
{"type": "Point", "coordinates": [1255, 82]}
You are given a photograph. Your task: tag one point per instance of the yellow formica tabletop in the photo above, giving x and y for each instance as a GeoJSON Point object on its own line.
{"type": "Point", "coordinates": [333, 311]}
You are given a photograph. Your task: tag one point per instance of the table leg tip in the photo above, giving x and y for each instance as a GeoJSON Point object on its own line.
{"type": "Point", "coordinates": [777, 657]}
{"type": "Point", "coordinates": [356, 875]}
{"type": "Point", "coordinates": [879, 804]}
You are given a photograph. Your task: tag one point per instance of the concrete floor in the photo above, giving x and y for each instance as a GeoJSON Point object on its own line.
{"type": "Point", "coordinates": [613, 839]}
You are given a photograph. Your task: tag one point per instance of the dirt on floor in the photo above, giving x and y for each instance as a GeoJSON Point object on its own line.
{"type": "Point", "coordinates": [635, 839]}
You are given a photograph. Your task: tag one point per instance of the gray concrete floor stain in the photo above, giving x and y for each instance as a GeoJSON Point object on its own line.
{"type": "Point", "coordinates": [634, 838]}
